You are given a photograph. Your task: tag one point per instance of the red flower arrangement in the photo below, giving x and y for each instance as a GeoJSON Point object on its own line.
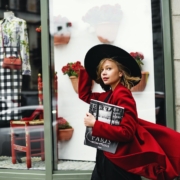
{"type": "Point", "coordinates": [72, 69]}
{"type": "Point", "coordinates": [138, 57]}
{"type": "Point", "coordinates": [38, 29]}
{"type": "Point", "coordinates": [63, 124]}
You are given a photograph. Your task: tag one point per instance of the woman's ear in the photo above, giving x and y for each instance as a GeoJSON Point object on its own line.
{"type": "Point", "coordinates": [120, 74]}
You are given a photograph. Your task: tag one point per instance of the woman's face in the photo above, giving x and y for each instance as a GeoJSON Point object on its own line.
{"type": "Point", "coordinates": [110, 74]}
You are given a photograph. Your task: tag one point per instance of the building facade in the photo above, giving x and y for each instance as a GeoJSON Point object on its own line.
{"type": "Point", "coordinates": [59, 33]}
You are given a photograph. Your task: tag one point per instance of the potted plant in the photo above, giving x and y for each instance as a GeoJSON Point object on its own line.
{"type": "Point", "coordinates": [60, 30]}
{"type": "Point", "coordinates": [72, 70]}
{"type": "Point", "coordinates": [65, 130]}
{"type": "Point", "coordinates": [63, 35]}
{"type": "Point", "coordinates": [105, 20]}
{"type": "Point", "coordinates": [138, 57]}
{"type": "Point", "coordinates": [142, 84]}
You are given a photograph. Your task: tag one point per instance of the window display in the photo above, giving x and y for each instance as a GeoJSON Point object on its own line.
{"type": "Point", "coordinates": [21, 120]}
{"type": "Point", "coordinates": [13, 43]}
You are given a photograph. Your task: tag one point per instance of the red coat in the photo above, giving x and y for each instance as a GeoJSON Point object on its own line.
{"type": "Point", "coordinates": [145, 148]}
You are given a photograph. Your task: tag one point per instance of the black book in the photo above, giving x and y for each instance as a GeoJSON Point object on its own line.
{"type": "Point", "coordinates": [107, 113]}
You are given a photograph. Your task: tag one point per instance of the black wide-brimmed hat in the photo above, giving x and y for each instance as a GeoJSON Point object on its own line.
{"type": "Point", "coordinates": [101, 51]}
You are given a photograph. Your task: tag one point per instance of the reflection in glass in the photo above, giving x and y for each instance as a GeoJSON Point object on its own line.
{"type": "Point", "coordinates": [21, 115]}
{"type": "Point", "coordinates": [158, 63]}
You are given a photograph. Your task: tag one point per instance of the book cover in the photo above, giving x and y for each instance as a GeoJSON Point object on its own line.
{"type": "Point", "coordinates": [107, 113]}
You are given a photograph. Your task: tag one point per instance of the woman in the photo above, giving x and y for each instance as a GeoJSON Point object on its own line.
{"type": "Point", "coordinates": [143, 148]}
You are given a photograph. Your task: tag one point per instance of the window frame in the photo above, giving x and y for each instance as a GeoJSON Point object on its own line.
{"type": "Point", "coordinates": [49, 173]}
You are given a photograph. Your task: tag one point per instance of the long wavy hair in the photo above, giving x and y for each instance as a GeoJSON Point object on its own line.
{"type": "Point", "coordinates": [126, 79]}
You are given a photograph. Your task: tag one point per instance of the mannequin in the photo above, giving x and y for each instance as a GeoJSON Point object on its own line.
{"type": "Point", "coordinates": [8, 14]}
{"type": "Point", "coordinates": [13, 42]}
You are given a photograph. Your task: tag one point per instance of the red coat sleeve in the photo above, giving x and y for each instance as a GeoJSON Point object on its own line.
{"type": "Point", "coordinates": [126, 130]}
{"type": "Point", "coordinates": [85, 88]}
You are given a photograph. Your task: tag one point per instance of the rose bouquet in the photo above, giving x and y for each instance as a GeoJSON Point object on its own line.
{"type": "Point", "coordinates": [63, 124]}
{"type": "Point", "coordinates": [138, 57]}
{"type": "Point", "coordinates": [72, 69]}
{"type": "Point", "coordinates": [65, 130]}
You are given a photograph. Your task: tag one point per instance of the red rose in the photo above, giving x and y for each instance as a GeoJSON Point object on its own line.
{"type": "Point", "coordinates": [38, 29]}
{"type": "Point", "coordinates": [138, 57]}
{"type": "Point", "coordinates": [133, 54]}
{"type": "Point", "coordinates": [65, 69]}
{"type": "Point", "coordinates": [72, 69]}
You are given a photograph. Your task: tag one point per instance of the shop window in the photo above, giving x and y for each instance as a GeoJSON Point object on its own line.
{"type": "Point", "coordinates": [19, 96]}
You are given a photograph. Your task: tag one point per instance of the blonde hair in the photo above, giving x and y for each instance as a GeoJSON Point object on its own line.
{"type": "Point", "coordinates": [126, 80]}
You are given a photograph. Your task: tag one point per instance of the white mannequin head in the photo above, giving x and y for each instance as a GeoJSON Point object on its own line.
{"type": "Point", "coordinates": [8, 13]}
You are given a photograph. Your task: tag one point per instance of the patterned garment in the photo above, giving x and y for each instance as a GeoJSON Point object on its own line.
{"type": "Point", "coordinates": [13, 31]}
{"type": "Point", "coordinates": [10, 89]}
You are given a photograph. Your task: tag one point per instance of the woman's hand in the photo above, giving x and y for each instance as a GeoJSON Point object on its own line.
{"type": "Point", "coordinates": [89, 120]}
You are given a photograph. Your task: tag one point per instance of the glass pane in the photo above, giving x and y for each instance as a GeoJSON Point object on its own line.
{"type": "Point", "coordinates": [21, 119]}
{"type": "Point", "coordinates": [73, 32]}
{"type": "Point", "coordinates": [158, 63]}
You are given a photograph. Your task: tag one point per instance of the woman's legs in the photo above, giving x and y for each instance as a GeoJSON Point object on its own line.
{"type": "Point", "coordinates": [106, 170]}
{"type": "Point", "coordinates": [114, 172]}
{"type": "Point", "coordinates": [95, 174]}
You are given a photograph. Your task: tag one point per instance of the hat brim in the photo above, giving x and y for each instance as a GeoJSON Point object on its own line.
{"type": "Point", "coordinates": [101, 51]}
